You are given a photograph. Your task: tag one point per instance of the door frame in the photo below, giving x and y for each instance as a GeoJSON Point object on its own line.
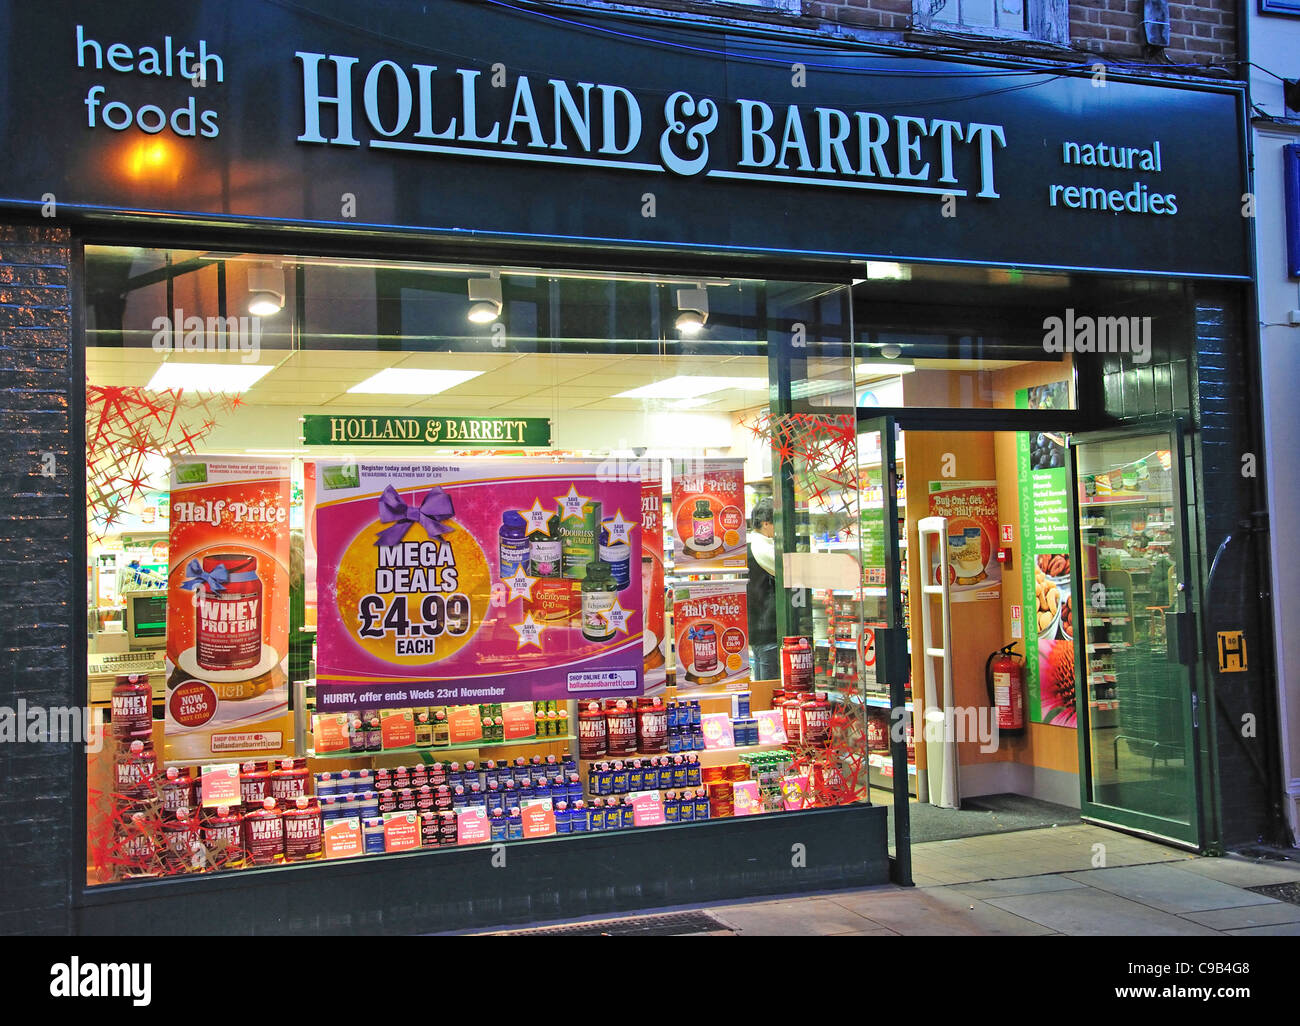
{"type": "Point", "coordinates": [1192, 834]}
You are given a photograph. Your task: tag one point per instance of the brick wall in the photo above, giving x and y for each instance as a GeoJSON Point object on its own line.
{"type": "Point", "coordinates": [1201, 31]}
{"type": "Point", "coordinates": [38, 581]}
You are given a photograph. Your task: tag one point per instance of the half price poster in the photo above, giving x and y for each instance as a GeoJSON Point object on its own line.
{"type": "Point", "coordinates": [971, 508]}
{"type": "Point", "coordinates": [456, 583]}
{"type": "Point", "coordinates": [708, 515]}
{"type": "Point", "coordinates": [228, 610]}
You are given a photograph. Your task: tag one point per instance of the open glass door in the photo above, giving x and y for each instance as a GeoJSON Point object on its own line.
{"type": "Point", "coordinates": [1136, 649]}
{"type": "Point", "coordinates": [882, 652]}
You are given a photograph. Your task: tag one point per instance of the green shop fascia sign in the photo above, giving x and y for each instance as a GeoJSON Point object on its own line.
{"type": "Point", "coordinates": [327, 429]}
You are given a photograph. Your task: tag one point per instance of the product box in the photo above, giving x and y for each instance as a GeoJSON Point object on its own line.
{"type": "Point", "coordinates": [472, 827]}
{"type": "Point", "coordinates": [717, 730]}
{"type": "Point", "coordinates": [518, 720]}
{"type": "Point", "coordinates": [580, 538]}
{"type": "Point", "coordinates": [342, 838]}
{"type": "Point", "coordinates": [401, 831]}
{"type": "Point", "coordinates": [746, 798]}
{"type": "Point", "coordinates": [464, 724]}
{"type": "Point", "coordinates": [538, 816]}
{"type": "Point", "coordinates": [647, 808]}
{"type": "Point", "coordinates": [398, 726]}
{"type": "Point", "coordinates": [329, 732]}
{"type": "Point", "coordinates": [712, 635]}
{"type": "Point", "coordinates": [794, 791]}
{"type": "Point", "coordinates": [771, 727]}
{"type": "Point", "coordinates": [708, 509]}
{"type": "Point", "coordinates": [228, 610]}
{"type": "Point", "coordinates": [220, 786]}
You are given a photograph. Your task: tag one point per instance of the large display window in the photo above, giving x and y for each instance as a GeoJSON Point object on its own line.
{"type": "Point", "coordinates": [385, 556]}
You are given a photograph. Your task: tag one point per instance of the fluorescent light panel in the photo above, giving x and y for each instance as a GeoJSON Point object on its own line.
{"type": "Point", "coordinates": [685, 386]}
{"type": "Point", "coordinates": [207, 377]}
{"type": "Point", "coordinates": [412, 381]}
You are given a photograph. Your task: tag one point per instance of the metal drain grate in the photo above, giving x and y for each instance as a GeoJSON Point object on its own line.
{"type": "Point", "coordinates": [669, 924]}
{"type": "Point", "coordinates": [1281, 891]}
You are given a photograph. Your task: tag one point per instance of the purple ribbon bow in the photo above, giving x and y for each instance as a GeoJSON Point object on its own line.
{"type": "Point", "coordinates": [430, 514]}
{"type": "Point", "coordinates": [210, 581]}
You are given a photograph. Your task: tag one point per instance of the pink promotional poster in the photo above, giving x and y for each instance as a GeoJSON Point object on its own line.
{"type": "Point", "coordinates": [455, 583]}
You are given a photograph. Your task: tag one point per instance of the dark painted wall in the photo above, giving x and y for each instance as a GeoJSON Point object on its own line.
{"type": "Point", "coordinates": [38, 580]}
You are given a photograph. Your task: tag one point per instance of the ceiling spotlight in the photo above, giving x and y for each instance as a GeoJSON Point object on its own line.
{"type": "Point", "coordinates": [891, 350]}
{"type": "Point", "coordinates": [265, 289]}
{"type": "Point", "coordinates": [693, 305]}
{"type": "Point", "coordinates": [485, 298]}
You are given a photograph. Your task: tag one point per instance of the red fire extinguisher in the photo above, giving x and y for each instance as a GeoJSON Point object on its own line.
{"type": "Point", "coordinates": [1004, 677]}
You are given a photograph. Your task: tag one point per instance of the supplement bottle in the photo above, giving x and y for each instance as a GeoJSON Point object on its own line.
{"type": "Point", "coordinates": [598, 598]}
{"type": "Point", "coordinates": [514, 550]}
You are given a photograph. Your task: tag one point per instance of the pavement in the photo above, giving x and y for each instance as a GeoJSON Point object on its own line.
{"type": "Point", "coordinates": [1078, 880]}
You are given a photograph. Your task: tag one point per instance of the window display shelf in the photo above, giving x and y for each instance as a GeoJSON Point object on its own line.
{"type": "Point", "coordinates": [429, 750]}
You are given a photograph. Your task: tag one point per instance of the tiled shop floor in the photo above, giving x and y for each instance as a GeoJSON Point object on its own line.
{"type": "Point", "coordinates": [1077, 880]}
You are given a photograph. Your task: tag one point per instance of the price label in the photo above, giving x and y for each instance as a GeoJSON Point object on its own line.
{"type": "Point", "coordinates": [437, 615]}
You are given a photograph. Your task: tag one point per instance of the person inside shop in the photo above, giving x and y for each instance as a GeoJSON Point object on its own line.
{"type": "Point", "coordinates": [761, 592]}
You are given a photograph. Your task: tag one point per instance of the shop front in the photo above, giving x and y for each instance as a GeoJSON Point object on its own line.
{"type": "Point", "coordinates": [597, 476]}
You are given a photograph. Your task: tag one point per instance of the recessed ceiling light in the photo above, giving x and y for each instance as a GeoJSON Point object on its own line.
{"type": "Point", "coordinates": [412, 381]}
{"type": "Point", "coordinates": [207, 377]}
{"type": "Point", "coordinates": [686, 386]}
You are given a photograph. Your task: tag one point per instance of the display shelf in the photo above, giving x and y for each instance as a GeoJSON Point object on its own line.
{"type": "Point", "coordinates": [1130, 501]}
{"type": "Point", "coordinates": [884, 703]}
{"type": "Point", "coordinates": [881, 762]}
{"type": "Point", "coordinates": [439, 749]}
{"type": "Point", "coordinates": [701, 752]}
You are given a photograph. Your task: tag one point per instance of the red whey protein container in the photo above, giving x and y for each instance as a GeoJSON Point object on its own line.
{"type": "Point", "coordinates": [592, 733]}
{"type": "Point", "coordinates": [223, 838]}
{"type": "Point", "coordinates": [620, 727]}
{"type": "Point", "coordinates": [287, 783]}
{"type": "Point", "coordinates": [302, 832]}
{"type": "Point", "coordinates": [137, 846]}
{"type": "Point", "coordinates": [651, 726]}
{"type": "Point", "coordinates": [264, 835]}
{"type": "Point", "coordinates": [254, 784]}
{"type": "Point", "coordinates": [181, 837]}
{"type": "Point", "coordinates": [132, 705]}
{"type": "Point", "coordinates": [177, 791]}
{"type": "Point", "coordinates": [228, 623]}
{"type": "Point", "coordinates": [791, 719]}
{"type": "Point", "coordinates": [134, 770]}
{"type": "Point", "coordinates": [797, 664]}
{"type": "Point", "coordinates": [815, 720]}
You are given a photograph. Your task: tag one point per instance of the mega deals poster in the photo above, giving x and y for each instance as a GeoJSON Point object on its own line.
{"type": "Point", "coordinates": [228, 610]}
{"type": "Point", "coordinates": [467, 582]}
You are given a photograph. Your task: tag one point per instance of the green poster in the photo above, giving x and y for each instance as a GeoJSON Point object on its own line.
{"type": "Point", "coordinates": [1045, 563]}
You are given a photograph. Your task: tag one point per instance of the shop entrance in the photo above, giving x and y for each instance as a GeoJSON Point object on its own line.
{"type": "Point", "coordinates": [1007, 535]}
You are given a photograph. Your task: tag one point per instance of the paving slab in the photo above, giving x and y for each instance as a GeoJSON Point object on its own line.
{"type": "Point", "coordinates": [798, 917]}
{"type": "Point", "coordinates": [1247, 916]}
{"type": "Point", "coordinates": [944, 911]}
{"type": "Point", "coordinates": [1168, 888]}
{"type": "Point", "coordinates": [1019, 885]}
{"type": "Point", "coordinates": [1242, 872]}
{"type": "Point", "coordinates": [1088, 912]}
{"type": "Point", "coordinates": [1276, 930]}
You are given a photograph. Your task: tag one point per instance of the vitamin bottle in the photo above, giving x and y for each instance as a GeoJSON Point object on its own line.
{"type": "Point", "coordinates": [702, 525]}
{"type": "Point", "coordinates": [598, 597]}
{"type": "Point", "coordinates": [514, 549]}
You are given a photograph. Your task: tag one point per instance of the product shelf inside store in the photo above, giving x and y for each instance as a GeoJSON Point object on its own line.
{"type": "Point", "coordinates": [883, 762]}
{"type": "Point", "coordinates": [469, 746]}
{"type": "Point", "coordinates": [708, 756]}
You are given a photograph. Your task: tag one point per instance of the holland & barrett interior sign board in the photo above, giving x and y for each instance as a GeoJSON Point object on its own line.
{"type": "Point", "coordinates": [458, 117]}
{"type": "Point", "coordinates": [460, 432]}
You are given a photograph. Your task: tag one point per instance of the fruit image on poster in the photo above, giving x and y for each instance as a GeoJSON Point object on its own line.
{"type": "Point", "coordinates": [451, 583]}
{"type": "Point", "coordinates": [228, 610]}
{"type": "Point", "coordinates": [971, 508]}
{"type": "Point", "coordinates": [708, 515]}
{"type": "Point", "coordinates": [1045, 563]}
{"type": "Point", "coordinates": [712, 635]}
{"type": "Point", "coordinates": [655, 643]}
